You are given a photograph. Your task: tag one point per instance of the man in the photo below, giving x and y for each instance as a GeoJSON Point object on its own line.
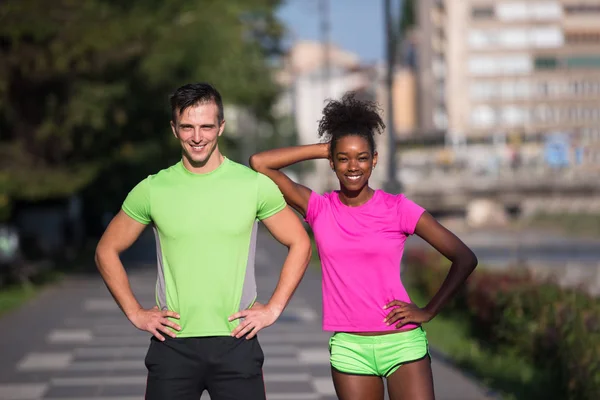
{"type": "Point", "coordinates": [204, 212]}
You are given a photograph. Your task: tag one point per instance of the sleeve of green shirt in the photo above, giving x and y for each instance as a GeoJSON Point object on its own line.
{"type": "Point", "coordinates": [270, 199]}
{"type": "Point", "coordinates": [137, 203]}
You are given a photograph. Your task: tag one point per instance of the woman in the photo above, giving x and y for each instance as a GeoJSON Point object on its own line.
{"type": "Point", "coordinates": [360, 234]}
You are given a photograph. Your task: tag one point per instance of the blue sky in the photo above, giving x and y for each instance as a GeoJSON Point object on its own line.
{"type": "Point", "coordinates": [356, 25]}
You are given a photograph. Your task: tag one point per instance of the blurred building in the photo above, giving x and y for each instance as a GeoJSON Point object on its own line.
{"type": "Point", "coordinates": [432, 115]}
{"type": "Point", "coordinates": [522, 69]}
{"type": "Point", "coordinates": [404, 94]}
{"type": "Point", "coordinates": [308, 81]}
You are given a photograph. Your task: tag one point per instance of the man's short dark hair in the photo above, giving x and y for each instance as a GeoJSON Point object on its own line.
{"type": "Point", "coordinates": [193, 94]}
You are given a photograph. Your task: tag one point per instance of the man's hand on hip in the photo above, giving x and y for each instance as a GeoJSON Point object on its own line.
{"type": "Point", "coordinates": [259, 316]}
{"type": "Point", "coordinates": [155, 321]}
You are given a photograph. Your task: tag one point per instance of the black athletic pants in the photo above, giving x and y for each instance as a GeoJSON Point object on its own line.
{"type": "Point", "coordinates": [182, 368]}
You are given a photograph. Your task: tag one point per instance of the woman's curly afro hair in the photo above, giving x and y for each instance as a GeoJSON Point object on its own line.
{"type": "Point", "coordinates": [350, 117]}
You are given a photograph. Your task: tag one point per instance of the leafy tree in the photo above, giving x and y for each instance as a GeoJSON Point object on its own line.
{"type": "Point", "coordinates": [84, 84]}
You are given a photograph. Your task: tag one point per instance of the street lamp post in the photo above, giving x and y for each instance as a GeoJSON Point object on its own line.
{"type": "Point", "coordinates": [326, 43]}
{"type": "Point", "coordinates": [393, 36]}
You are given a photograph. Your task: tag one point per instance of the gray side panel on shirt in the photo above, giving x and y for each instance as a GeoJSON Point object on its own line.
{"type": "Point", "coordinates": [161, 294]}
{"type": "Point", "coordinates": [249, 288]}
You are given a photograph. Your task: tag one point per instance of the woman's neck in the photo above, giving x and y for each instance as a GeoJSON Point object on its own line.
{"type": "Point", "coordinates": [356, 198]}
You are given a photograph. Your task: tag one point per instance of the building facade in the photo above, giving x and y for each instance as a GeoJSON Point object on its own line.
{"type": "Point", "coordinates": [522, 68]}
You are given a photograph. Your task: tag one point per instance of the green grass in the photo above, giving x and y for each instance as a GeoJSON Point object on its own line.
{"type": "Point", "coordinates": [13, 296]}
{"type": "Point", "coordinates": [509, 374]}
{"type": "Point", "coordinates": [16, 294]}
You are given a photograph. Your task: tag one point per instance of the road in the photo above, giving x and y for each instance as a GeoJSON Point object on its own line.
{"type": "Point", "coordinates": [503, 246]}
{"type": "Point", "coordinates": [73, 343]}
{"type": "Point", "coordinates": [495, 248]}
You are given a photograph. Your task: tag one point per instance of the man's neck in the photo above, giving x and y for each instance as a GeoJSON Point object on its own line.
{"type": "Point", "coordinates": [213, 162]}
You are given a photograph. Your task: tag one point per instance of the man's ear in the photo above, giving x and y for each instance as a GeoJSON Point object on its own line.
{"type": "Point", "coordinates": [173, 129]}
{"type": "Point", "coordinates": [221, 128]}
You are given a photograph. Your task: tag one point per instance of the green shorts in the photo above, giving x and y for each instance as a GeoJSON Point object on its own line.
{"type": "Point", "coordinates": [377, 355]}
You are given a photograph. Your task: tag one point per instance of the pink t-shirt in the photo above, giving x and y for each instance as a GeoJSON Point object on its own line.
{"type": "Point", "coordinates": [360, 250]}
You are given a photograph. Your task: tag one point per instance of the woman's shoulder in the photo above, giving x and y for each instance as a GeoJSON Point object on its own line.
{"type": "Point", "coordinates": [391, 200]}
{"type": "Point", "coordinates": [317, 204]}
{"type": "Point", "coordinates": [391, 197]}
{"type": "Point", "coordinates": [325, 196]}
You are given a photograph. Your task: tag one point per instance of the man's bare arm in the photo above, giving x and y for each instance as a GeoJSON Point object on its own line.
{"type": "Point", "coordinates": [288, 230]}
{"type": "Point", "coordinates": [286, 227]}
{"type": "Point", "coordinates": [120, 234]}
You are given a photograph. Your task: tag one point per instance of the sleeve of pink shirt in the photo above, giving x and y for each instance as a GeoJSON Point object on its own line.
{"type": "Point", "coordinates": [315, 202]}
{"type": "Point", "coordinates": [409, 213]}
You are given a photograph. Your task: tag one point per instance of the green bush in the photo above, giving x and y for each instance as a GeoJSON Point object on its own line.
{"type": "Point", "coordinates": [557, 329]}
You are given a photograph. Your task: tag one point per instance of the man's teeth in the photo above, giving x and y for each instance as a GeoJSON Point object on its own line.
{"type": "Point", "coordinates": [198, 147]}
{"type": "Point", "coordinates": [354, 178]}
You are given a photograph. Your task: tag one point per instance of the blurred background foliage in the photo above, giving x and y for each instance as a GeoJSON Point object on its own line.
{"type": "Point", "coordinates": [84, 87]}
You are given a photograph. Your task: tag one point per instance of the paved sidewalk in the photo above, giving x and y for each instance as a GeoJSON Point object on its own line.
{"type": "Point", "coordinates": [73, 343]}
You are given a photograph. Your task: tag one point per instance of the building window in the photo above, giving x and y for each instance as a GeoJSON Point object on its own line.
{"type": "Point", "coordinates": [543, 89]}
{"type": "Point", "coordinates": [438, 68]}
{"type": "Point", "coordinates": [503, 65]}
{"type": "Point", "coordinates": [526, 10]}
{"type": "Point", "coordinates": [546, 37]}
{"type": "Point", "coordinates": [479, 39]}
{"type": "Point", "coordinates": [516, 38]}
{"type": "Point", "coordinates": [513, 38]}
{"type": "Point", "coordinates": [582, 8]}
{"type": "Point", "coordinates": [515, 64]}
{"type": "Point", "coordinates": [544, 113]}
{"type": "Point", "coordinates": [440, 119]}
{"type": "Point", "coordinates": [512, 11]}
{"type": "Point", "coordinates": [483, 90]}
{"type": "Point", "coordinates": [482, 66]}
{"type": "Point", "coordinates": [582, 37]}
{"type": "Point", "coordinates": [519, 88]}
{"type": "Point", "coordinates": [574, 88]}
{"type": "Point", "coordinates": [583, 61]}
{"type": "Point", "coordinates": [508, 90]}
{"type": "Point", "coordinates": [544, 62]}
{"type": "Point", "coordinates": [482, 12]}
{"type": "Point", "coordinates": [551, 10]}
{"type": "Point", "coordinates": [574, 114]}
{"type": "Point", "coordinates": [513, 115]}
{"type": "Point", "coordinates": [563, 114]}
{"type": "Point", "coordinates": [483, 116]}
{"type": "Point", "coordinates": [554, 89]}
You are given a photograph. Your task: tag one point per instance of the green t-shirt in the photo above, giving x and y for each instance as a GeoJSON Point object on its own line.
{"type": "Point", "coordinates": [205, 227]}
